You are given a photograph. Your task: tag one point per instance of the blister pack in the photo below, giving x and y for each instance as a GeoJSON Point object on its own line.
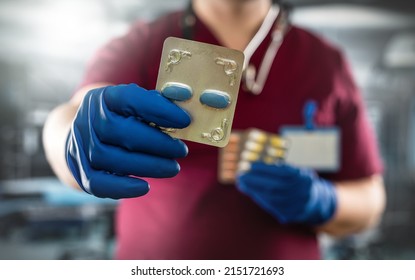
{"type": "Point", "coordinates": [246, 147]}
{"type": "Point", "coordinates": [204, 80]}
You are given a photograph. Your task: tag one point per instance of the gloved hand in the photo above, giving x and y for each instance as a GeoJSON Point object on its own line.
{"type": "Point", "coordinates": [113, 140]}
{"type": "Point", "coordinates": [290, 194]}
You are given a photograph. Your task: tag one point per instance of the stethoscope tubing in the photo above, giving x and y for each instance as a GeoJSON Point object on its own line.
{"type": "Point", "coordinates": [275, 19]}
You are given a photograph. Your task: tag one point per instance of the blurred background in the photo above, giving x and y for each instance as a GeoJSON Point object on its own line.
{"type": "Point", "coordinates": [45, 45]}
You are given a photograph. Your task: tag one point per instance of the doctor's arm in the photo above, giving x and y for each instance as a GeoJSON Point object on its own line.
{"type": "Point", "coordinates": [360, 205]}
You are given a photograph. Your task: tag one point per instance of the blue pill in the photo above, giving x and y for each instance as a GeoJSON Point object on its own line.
{"type": "Point", "coordinates": [177, 92]}
{"type": "Point", "coordinates": [215, 99]}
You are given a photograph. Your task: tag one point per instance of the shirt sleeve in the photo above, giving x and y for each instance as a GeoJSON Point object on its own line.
{"type": "Point", "coordinates": [360, 155]}
{"type": "Point", "coordinates": [118, 61]}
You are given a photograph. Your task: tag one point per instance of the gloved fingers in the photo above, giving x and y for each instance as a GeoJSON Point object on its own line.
{"type": "Point", "coordinates": [267, 183]}
{"type": "Point", "coordinates": [249, 183]}
{"type": "Point", "coordinates": [106, 185]}
{"type": "Point", "coordinates": [284, 204]}
{"type": "Point", "coordinates": [101, 183]}
{"type": "Point", "coordinates": [136, 136]}
{"type": "Point", "coordinates": [149, 105]}
{"type": "Point", "coordinates": [268, 206]}
{"type": "Point", "coordinates": [123, 162]}
{"type": "Point", "coordinates": [277, 170]}
{"type": "Point", "coordinates": [265, 175]}
{"type": "Point", "coordinates": [282, 210]}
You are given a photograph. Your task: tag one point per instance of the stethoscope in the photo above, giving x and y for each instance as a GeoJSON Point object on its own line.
{"type": "Point", "coordinates": [276, 19]}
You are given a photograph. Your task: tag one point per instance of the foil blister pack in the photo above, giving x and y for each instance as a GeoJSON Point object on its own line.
{"type": "Point", "coordinates": [204, 80]}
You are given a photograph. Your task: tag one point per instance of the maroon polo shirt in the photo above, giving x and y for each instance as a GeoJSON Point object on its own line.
{"type": "Point", "coordinates": [192, 216]}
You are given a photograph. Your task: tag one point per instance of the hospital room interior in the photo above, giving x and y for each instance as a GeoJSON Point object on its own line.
{"type": "Point", "coordinates": [45, 47]}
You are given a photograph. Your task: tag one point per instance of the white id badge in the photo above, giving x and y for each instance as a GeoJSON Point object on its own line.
{"type": "Point", "coordinates": [318, 148]}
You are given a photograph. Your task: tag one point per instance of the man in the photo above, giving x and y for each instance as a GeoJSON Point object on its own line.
{"type": "Point", "coordinates": [274, 211]}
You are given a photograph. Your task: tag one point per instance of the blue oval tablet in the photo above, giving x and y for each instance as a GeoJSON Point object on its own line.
{"type": "Point", "coordinates": [215, 99]}
{"type": "Point", "coordinates": [177, 92]}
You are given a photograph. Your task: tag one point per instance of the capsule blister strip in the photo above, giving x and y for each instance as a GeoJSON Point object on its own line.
{"type": "Point", "coordinates": [246, 147]}
{"type": "Point", "coordinates": [204, 80]}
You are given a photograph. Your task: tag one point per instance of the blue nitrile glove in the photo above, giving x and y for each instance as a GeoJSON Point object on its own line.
{"type": "Point", "coordinates": [290, 194]}
{"type": "Point", "coordinates": [113, 140]}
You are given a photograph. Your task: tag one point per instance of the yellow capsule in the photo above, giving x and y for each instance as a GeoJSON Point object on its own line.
{"type": "Point", "coordinates": [244, 166]}
{"type": "Point", "coordinates": [269, 160]}
{"type": "Point", "coordinates": [254, 146]}
{"type": "Point", "coordinates": [277, 141]}
{"type": "Point", "coordinates": [250, 156]}
{"type": "Point", "coordinates": [273, 152]}
{"type": "Point", "coordinates": [258, 135]}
